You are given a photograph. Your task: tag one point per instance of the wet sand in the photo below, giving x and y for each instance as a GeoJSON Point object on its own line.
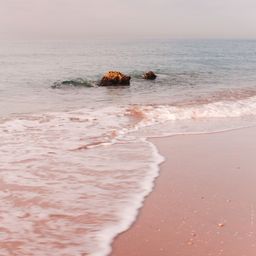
{"type": "Point", "coordinates": [204, 201]}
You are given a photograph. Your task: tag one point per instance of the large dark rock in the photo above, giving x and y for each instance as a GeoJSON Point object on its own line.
{"type": "Point", "coordinates": [114, 78]}
{"type": "Point", "coordinates": [149, 75]}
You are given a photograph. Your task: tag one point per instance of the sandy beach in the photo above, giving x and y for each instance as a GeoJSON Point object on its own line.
{"type": "Point", "coordinates": [204, 201]}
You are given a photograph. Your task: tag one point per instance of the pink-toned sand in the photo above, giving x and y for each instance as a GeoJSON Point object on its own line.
{"type": "Point", "coordinates": [204, 202]}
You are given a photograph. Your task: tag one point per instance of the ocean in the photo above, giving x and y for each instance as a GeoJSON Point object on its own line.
{"type": "Point", "coordinates": [75, 161]}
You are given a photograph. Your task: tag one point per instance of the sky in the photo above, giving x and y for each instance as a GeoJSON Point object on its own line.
{"type": "Point", "coordinates": [82, 19]}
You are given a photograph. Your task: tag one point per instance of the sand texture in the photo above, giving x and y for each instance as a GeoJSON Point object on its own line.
{"type": "Point", "coordinates": [204, 201]}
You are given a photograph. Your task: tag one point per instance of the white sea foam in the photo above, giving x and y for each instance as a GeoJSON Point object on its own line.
{"type": "Point", "coordinates": [71, 201]}
{"type": "Point", "coordinates": [74, 180]}
{"type": "Point", "coordinates": [222, 109]}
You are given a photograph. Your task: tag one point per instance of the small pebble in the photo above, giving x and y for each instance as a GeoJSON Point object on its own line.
{"type": "Point", "coordinates": [190, 243]}
{"type": "Point", "coordinates": [193, 234]}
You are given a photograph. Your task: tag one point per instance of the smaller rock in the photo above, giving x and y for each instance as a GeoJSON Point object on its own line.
{"type": "Point", "coordinates": [150, 75]}
{"type": "Point", "coordinates": [190, 242]}
{"type": "Point", "coordinates": [221, 225]}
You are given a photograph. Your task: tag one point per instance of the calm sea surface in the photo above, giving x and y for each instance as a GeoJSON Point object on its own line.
{"type": "Point", "coordinates": [75, 162]}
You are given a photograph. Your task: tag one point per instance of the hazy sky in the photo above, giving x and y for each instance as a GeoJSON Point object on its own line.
{"type": "Point", "coordinates": [57, 19]}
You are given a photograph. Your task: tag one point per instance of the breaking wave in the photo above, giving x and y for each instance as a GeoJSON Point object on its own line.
{"type": "Point", "coordinates": [78, 82]}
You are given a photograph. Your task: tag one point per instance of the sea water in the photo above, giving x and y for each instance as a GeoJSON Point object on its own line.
{"type": "Point", "coordinates": [75, 162]}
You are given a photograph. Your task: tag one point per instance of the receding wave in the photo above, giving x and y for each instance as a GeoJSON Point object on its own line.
{"type": "Point", "coordinates": [60, 189]}
{"type": "Point", "coordinates": [60, 171]}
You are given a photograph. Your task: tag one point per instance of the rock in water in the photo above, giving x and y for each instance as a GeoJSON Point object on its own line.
{"type": "Point", "coordinates": [115, 78]}
{"type": "Point", "coordinates": [150, 75]}
{"type": "Point", "coordinates": [79, 82]}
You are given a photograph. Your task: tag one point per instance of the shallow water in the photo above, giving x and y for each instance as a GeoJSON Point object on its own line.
{"type": "Point", "coordinates": [75, 163]}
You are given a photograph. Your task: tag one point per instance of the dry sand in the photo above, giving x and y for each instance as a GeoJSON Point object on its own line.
{"type": "Point", "coordinates": [204, 202]}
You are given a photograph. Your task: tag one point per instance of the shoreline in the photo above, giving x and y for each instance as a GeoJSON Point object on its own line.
{"type": "Point", "coordinates": [196, 206]}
